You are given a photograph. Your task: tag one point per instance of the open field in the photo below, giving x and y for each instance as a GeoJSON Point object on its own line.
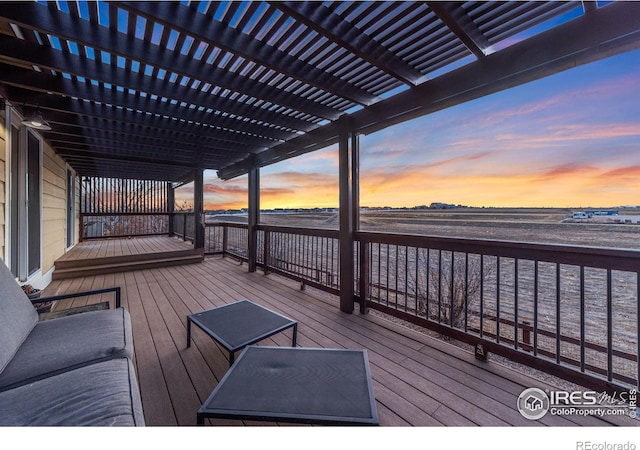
{"type": "Point", "coordinates": [524, 225]}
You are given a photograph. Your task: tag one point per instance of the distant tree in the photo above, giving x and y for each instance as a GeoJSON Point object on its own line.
{"type": "Point", "coordinates": [185, 206]}
{"type": "Point", "coordinates": [447, 284]}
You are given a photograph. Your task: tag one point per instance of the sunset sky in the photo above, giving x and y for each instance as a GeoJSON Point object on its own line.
{"type": "Point", "coordinates": [569, 140]}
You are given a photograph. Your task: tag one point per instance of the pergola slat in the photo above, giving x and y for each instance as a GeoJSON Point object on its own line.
{"type": "Point", "coordinates": [236, 42]}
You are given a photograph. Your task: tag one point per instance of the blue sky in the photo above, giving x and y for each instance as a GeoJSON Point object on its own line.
{"type": "Point", "coordinates": [569, 140]}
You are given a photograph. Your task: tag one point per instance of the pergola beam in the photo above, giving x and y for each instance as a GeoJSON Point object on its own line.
{"type": "Point", "coordinates": [454, 16]}
{"type": "Point", "coordinates": [323, 21]}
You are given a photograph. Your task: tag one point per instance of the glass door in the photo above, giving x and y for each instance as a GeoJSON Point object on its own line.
{"type": "Point", "coordinates": [25, 197]}
{"type": "Point", "coordinates": [34, 206]}
{"type": "Point", "coordinates": [71, 208]}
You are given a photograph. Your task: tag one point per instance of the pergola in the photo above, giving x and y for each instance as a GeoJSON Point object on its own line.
{"type": "Point", "coordinates": [164, 90]}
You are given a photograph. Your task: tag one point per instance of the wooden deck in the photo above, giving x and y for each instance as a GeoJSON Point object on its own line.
{"type": "Point", "coordinates": [106, 248]}
{"type": "Point", "coordinates": [418, 380]}
{"type": "Point", "coordinates": [96, 257]}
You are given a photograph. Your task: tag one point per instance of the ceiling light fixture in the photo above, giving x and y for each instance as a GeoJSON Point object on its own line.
{"type": "Point", "coordinates": [37, 122]}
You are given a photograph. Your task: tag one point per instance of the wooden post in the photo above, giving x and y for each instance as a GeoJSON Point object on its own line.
{"type": "Point", "coordinates": [355, 181]}
{"type": "Point", "coordinates": [80, 215]}
{"type": "Point", "coordinates": [365, 261]}
{"type": "Point", "coordinates": [184, 226]}
{"type": "Point", "coordinates": [266, 251]}
{"type": "Point", "coordinates": [225, 239]}
{"type": "Point", "coordinates": [346, 222]}
{"type": "Point", "coordinates": [254, 217]}
{"type": "Point", "coordinates": [171, 201]}
{"type": "Point", "coordinates": [198, 209]}
{"type": "Point", "coordinates": [526, 333]}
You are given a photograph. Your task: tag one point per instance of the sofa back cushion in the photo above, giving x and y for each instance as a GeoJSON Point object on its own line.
{"type": "Point", "coordinates": [17, 316]}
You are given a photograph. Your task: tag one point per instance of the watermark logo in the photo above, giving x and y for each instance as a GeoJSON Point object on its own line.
{"type": "Point", "coordinates": [533, 403]}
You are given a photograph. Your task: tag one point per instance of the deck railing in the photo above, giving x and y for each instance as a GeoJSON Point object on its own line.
{"type": "Point", "coordinates": [570, 311]}
{"type": "Point", "coordinates": [113, 207]}
{"type": "Point", "coordinates": [100, 225]}
{"type": "Point", "coordinates": [183, 225]}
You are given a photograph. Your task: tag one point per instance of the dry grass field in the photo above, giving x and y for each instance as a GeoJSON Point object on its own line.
{"type": "Point", "coordinates": [525, 225]}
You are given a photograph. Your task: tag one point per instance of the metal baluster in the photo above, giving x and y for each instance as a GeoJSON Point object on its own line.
{"type": "Point", "coordinates": [535, 309]}
{"type": "Point", "coordinates": [451, 282]}
{"type": "Point", "coordinates": [481, 295]}
{"type": "Point", "coordinates": [557, 313]}
{"type": "Point", "coordinates": [498, 299]}
{"type": "Point", "coordinates": [609, 327]}
{"type": "Point", "coordinates": [515, 304]}
{"type": "Point", "coordinates": [582, 324]}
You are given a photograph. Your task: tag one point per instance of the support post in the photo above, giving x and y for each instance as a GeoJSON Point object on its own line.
{"type": "Point", "coordinates": [254, 216]}
{"type": "Point", "coordinates": [365, 267]}
{"type": "Point", "coordinates": [171, 203]}
{"type": "Point", "coordinates": [80, 215]}
{"type": "Point", "coordinates": [198, 209]}
{"type": "Point", "coordinates": [266, 250]}
{"type": "Point", "coordinates": [355, 180]}
{"type": "Point", "coordinates": [346, 221]}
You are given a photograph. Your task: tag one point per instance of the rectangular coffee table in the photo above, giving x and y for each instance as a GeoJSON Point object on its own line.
{"type": "Point", "coordinates": [304, 385]}
{"type": "Point", "coordinates": [236, 325]}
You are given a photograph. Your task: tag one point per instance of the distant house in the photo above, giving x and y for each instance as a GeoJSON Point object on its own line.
{"type": "Point", "coordinates": [603, 212]}
{"type": "Point", "coordinates": [439, 205]}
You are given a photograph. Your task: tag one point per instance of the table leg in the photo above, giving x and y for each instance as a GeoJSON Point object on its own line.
{"type": "Point", "coordinates": [295, 335]}
{"type": "Point", "coordinates": [200, 419]}
{"type": "Point", "coordinates": [188, 333]}
{"type": "Point", "coordinates": [232, 358]}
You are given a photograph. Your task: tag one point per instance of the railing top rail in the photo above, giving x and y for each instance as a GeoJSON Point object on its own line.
{"type": "Point", "coordinates": [320, 232]}
{"type": "Point", "coordinates": [604, 258]}
{"type": "Point", "coordinates": [226, 224]}
{"type": "Point", "coordinates": [124, 214]}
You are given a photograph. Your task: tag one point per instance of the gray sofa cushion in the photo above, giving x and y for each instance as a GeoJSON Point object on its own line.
{"type": "Point", "coordinates": [66, 343]}
{"type": "Point", "coordinates": [17, 316]}
{"type": "Point", "coordinates": [101, 394]}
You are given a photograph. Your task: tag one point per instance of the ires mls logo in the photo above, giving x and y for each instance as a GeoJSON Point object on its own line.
{"type": "Point", "coordinates": [534, 403]}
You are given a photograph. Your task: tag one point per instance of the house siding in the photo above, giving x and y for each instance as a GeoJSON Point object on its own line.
{"type": "Point", "coordinates": [54, 223]}
{"type": "Point", "coordinates": [3, 175]}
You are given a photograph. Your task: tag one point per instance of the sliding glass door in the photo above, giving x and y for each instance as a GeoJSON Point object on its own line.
{"type": "Point", "coordinates": [25, 196]}
{"type": "Point", "coordinates": [34, 207]}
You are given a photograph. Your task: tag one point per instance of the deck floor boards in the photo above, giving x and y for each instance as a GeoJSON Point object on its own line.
{"type": "Point", "coordinates": [102, 248]}
{"type": "Point", "coordinates": [417, 379]}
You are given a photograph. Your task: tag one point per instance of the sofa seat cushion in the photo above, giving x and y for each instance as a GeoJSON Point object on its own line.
{"type": "Point", "coordinates": [17, 316]}
{"type": "Point", "coordinates": [58, 345]}
{"type": "Point", "coordinates": [101, 394]}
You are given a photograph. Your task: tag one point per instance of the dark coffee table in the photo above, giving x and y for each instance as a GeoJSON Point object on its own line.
{"type": "Point", "coordinates": [304, 385]}
{"type": "Point", "coordinates": [236, 325]}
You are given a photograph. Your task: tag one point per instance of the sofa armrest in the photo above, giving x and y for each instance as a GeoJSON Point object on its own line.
{"type": "Point", "coordinates": [54, 298]}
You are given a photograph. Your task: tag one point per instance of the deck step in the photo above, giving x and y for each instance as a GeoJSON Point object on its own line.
{"type": "Point", "coordinates": [100, 266]}
{"type": "Point", "coordinates": [83, 262]}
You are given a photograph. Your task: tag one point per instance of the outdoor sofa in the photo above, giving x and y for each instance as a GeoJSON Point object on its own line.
{"type": "Point", "coordinates": [69, 371]}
